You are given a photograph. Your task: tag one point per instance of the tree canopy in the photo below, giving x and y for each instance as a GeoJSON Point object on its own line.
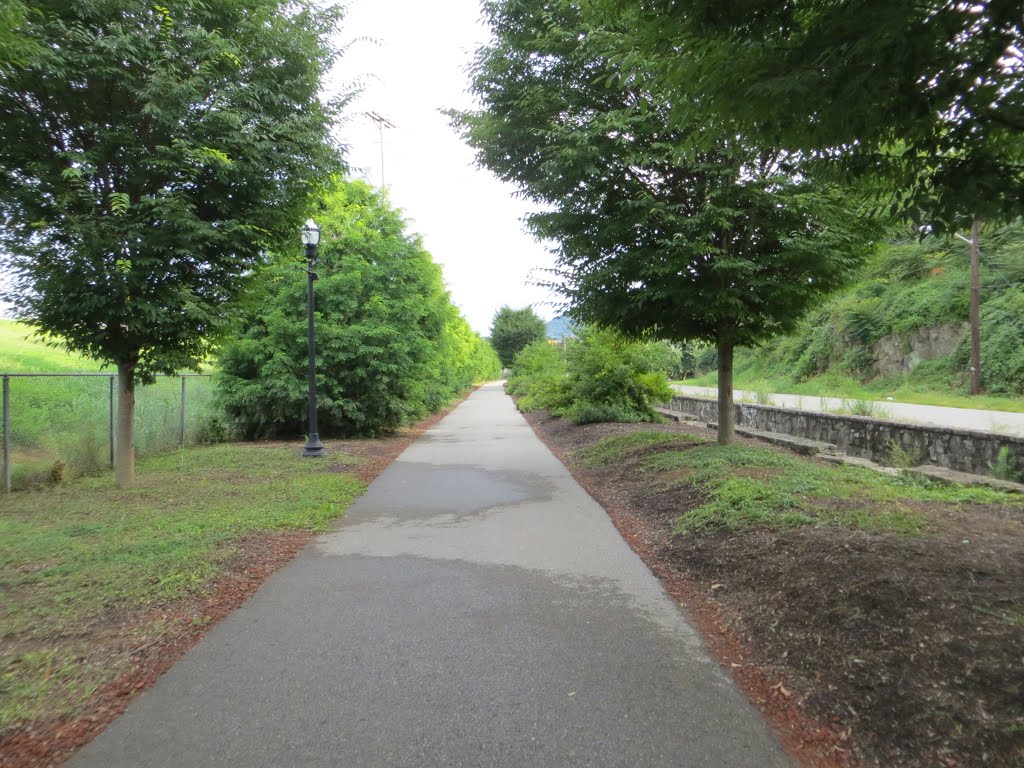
{"type": "Point", "coordinates": [149, 157]}
{"type": "Point", "coordinates": [390, 344]}
{"type": "Point", "coordinates": [657, 233]}
{"type": "Point", "coordinates": [16, 48]}
{"type": "Point", "coordinates": [513, 329]}
{"type": "Point", "coordinates": [926, 95]}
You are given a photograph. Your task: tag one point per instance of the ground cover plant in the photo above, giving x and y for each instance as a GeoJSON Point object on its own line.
{"type": "Point", "coordinates": [21, 351]}
{"type": "Point", "coordinates": [876, 339]}
{"type": "Point", "coordinates": [874, 620]}
{"type": "Point", "coordinates": [83, 561]}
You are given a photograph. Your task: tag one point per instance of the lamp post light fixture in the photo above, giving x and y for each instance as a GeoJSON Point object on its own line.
{"type": "Point", "coordinates": [311, 239]}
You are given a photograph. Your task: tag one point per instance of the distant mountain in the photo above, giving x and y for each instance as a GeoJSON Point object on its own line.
{"type": "Point", "coordinates": [559, 328]}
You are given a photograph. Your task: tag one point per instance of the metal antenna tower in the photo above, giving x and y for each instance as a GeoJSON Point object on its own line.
{"type": "Point", "coordinates": [382, 123]}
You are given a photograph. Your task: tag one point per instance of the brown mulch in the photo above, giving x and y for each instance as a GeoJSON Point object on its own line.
{"type": "Point", "coordinates": [861, 649]}
{"type": "Point", "coordinates": [147, 642]}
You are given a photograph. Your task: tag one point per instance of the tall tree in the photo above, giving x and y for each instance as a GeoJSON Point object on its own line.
{"type": "Point", "coordinates": [926, 98]}
{"type": "Point", "coordinates": [513, 329]}
{"type": "Point", "coordinates": [658, 233]}
{"type": "Point", "coordinates": [150, 155]}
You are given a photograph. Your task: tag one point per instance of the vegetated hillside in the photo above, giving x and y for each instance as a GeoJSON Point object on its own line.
{"type": "Point", "coordinates": [903, 325]}
{"type": "Point", "coordinates": [22, 352]}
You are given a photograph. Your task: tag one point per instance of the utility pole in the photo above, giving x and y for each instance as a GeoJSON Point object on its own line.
{"type": "Point", "coordinates": [975, 307]}
{"type": "Point", "coordinates": [382, 123]}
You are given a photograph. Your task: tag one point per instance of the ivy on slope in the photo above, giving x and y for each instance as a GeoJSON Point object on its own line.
{"type": "Point", "coordinates": [908, 286]}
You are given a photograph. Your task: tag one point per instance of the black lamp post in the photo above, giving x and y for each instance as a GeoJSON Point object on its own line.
{"type": "Point", "coordinates": [311, 239]}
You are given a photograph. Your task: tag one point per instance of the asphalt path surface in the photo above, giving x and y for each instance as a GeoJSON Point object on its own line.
{"type": "Point", "coordinates": [474, 608]}
{"type": "Point", "coordinates": [1003, 422]}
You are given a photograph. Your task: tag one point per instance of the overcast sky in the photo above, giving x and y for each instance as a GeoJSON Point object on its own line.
{"type": "Point", "coordinates": [412, 67]}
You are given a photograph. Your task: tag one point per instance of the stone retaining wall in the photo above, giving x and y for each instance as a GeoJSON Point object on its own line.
{"type": "Point", "coordinates": [959, 449]}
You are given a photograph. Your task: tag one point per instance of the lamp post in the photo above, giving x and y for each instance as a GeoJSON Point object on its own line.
{"type": "Point", "coordinates": [311, 239]}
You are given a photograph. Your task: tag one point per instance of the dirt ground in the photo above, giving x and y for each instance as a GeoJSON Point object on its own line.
{"type": "Point", "coordinates": [146, 643]}
{"type": "Point", "coordinates": [862, 649]}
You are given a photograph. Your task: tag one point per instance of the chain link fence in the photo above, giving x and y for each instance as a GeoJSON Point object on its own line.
{"type": "Point", "coordinates": [62, 425]}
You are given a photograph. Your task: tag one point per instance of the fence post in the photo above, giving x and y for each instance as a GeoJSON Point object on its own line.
{"type": "Point", "coordinates": [7, 434]}
{"type": "Point", "coordinates": [110, 424]}
{"type": "Point", "coordinates": [181, 416]}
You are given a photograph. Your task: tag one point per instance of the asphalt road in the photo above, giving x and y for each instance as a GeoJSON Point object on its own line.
{"type": "Point", "coordinates": [1003, 422]}
{"type": "Point", "coordinates": [474, 608]}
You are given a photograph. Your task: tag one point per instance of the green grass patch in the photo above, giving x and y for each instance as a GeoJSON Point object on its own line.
{"type": "Point", "coordinates": [1013, 617]}
{"type": "Point", "coordinates": [52, 680]}
{"type": "Point", "coordinates": [21, 351]}
{"type": "Point", "coordinates": [749, 487]}
{"type": "Point", "coordinates": [61, 423]}
{"type": "Point", "coordinates": [77, 552]}
{"type": "Point", "coordinates": [617, 447]}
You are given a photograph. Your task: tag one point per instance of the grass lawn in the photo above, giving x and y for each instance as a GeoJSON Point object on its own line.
{"type": "Point", "coordinates": [78, 556]}
{"type": "Point", "coordinates": [21, 352]}
{"type": "Point", "coordinates": [742, 486]}
{"type": "Point", "coordinates": [60, 424]}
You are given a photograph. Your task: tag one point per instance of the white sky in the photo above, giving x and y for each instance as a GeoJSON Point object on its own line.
{"type": "Point", "coordinates": [412, 68]}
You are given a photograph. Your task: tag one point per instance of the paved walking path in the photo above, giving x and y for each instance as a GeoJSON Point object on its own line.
{"type": "Point", "coordinates": [475, 608]}
{"type": "Point", "coordinates": [1004, 422]}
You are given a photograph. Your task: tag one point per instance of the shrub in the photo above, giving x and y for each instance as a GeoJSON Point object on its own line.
{"type": "Point", "coordinates": [390, 344]}
{"type": "Point", "coordinates": [538, 377]}
{"type": "Point", "coordinates": [600, 377]}
{"type": "Point", "coordinates": [1002, 343]}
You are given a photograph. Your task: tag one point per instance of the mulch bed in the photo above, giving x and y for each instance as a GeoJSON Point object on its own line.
{"type": "Point", "coordinates": [174, 628]}
{"type": "Point", "coordinates": [861, 649]}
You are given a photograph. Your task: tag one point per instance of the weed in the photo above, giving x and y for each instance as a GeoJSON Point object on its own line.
{"type": "Point", "coordinates": [1015, 618]}
{"type": "Point", "coordinates": [1005, 465]}
{"type": "Point", "coordinates": [615, 448]}
{"type": "Point", "coordinates": [866, 408]}
{"type": "Point", "coordinates": [748, 487]}
{"type": "Point", "coordinates": [900, 457]}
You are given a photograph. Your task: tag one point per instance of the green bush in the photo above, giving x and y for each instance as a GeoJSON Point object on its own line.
{"type": "Point", "coordinates": [391, 347]}
{"type": "Point", "coordinates": [600, 377]}
{"type": "Point", "coordinates": [1002, 343]}
{"type": "Point", "coordinates": [538, 376]}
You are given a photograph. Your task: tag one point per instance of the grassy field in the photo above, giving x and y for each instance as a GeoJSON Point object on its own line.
{"type": "Point", "coordinates": [22, 352]}
{"type": "Point", "coordinates": [60, 424]}
{"type": "Point", "coordinates": [78, 556]}
{"type": "Point", "coordinates": [834, 385]}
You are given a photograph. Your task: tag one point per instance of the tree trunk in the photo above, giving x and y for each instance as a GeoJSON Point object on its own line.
{"type": "Point", "coordinates": [975, 308]}
{"type": "Point", "coordinates": [726, 410]}
{"type": "Point", "coordinates": [124, 459]}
